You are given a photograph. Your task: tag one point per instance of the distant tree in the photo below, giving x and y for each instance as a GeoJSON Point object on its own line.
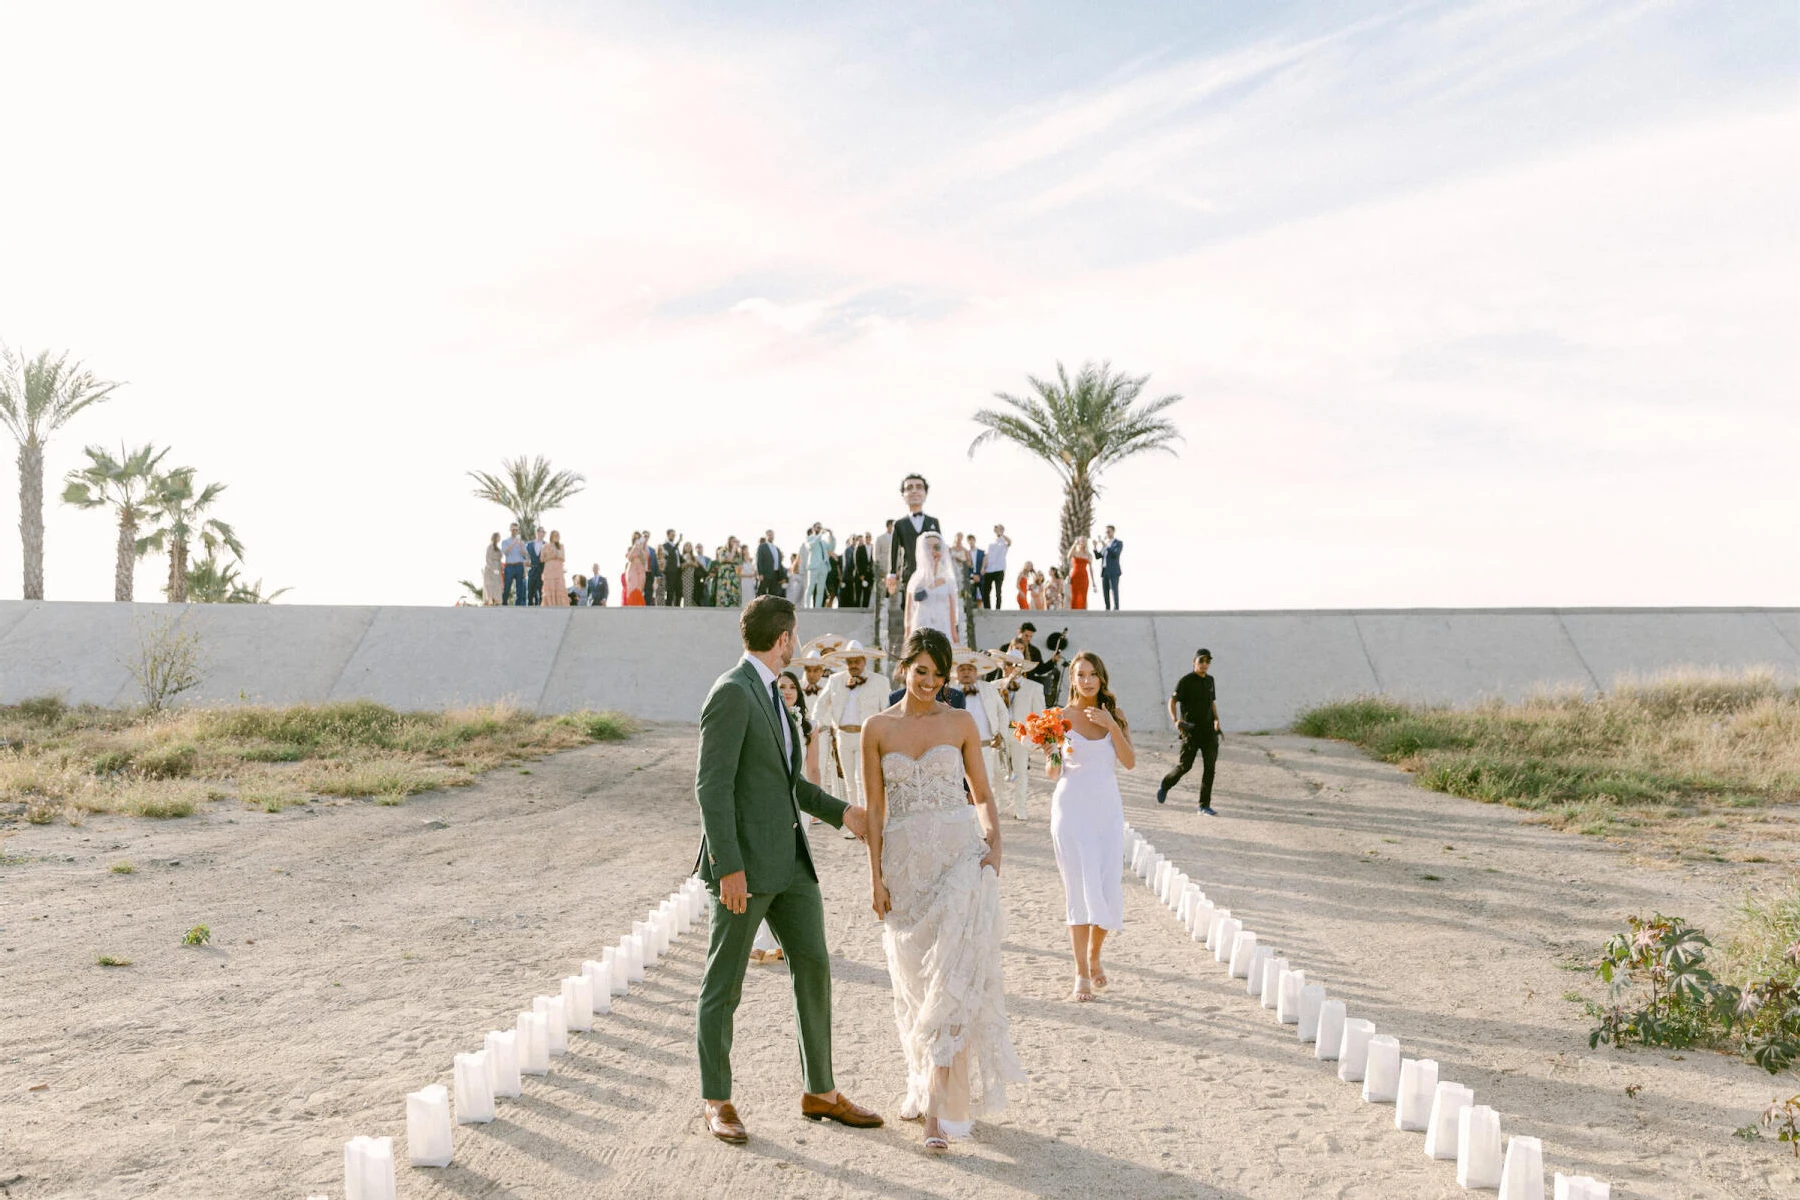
{"type": "Point", "coordinates": [528, 490]}
{"type": "Point", "coordinates": [210, 581]}
{"type": "Point", "coordinates": [38, 397]}
{"type": "Point", "coordinates": [1081, 427]}
{"type": "Point", "coordinates": [124, 484]}
{"type": "Point", "coordinates": [177, 511]}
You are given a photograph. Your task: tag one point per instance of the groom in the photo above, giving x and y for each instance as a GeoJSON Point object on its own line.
{"type": "Point", "coordinates": [749, 785]}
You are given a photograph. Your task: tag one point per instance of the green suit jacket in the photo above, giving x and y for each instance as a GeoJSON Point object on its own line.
{"type": "Point", "coordinates": [753, 798]}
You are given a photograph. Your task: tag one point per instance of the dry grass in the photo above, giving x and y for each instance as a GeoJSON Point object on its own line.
{"type": "Point", "coordinates": [57, 763]}
{"type": "Point", "coordinates": [1688, 760]}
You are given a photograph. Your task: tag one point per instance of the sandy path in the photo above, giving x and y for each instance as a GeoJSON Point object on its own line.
{"type": "Point", "coordinates": [358, 947]}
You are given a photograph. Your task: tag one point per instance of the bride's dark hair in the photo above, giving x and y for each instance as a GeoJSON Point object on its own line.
{"type": "Point", "coordinates": [930, 643]}
{"type": "Point", "coordinates": [1107, 700]}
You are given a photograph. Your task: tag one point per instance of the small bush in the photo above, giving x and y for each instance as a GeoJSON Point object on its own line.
{"type": "Point", "coordinates": [123, 868]}
{"type": "Point", "coordinates": [44, 710]}
{"type": "Point", "coordinates": [600, 726]}
{"type": "Point", "coordinates": [1350, 720]}
{"type": "Point", "coordinates": [166, 662]}
{"type": "Point", "coordinates": [279, 752]}
{"type": "Point", "coordinates": [107, 960]}
{"type": "Point", "coordinates": [42, 812]}
{"type": "Point", "coordinates": [354, 723]}
{"type": "Point", "coordinates": [112, 762]}
{"type": "Point", "coordinates": [199, 935]}
{"type": "Point", "coordinates": [174, 761]}
{"type": "Point", "coordinates": [162, 807]}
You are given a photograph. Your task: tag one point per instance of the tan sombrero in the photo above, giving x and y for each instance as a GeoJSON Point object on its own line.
{"type": "Point", "coordinates": [812, 658]}
{"type": "Point", "coordinates": [1007, 658]}
{"type": "Point", "coordinates": [982, 662]}
{"type": "Point", "coordinates": [825, 643]}
{"type": "Point", "coordinates": [855, 649]}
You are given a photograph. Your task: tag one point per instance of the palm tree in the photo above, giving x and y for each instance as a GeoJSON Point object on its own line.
{"type": "Point", "coordinates": [210, 581]}
{"type": "Point", "coordinates": [38, 397]}
{"type": "Point", "coordinates": [122, 482]}
{"type": "Point", "coordinates": [177, 510]}
{"type": "Point", "coordinates": [1080, 427]}
{"type": "Point", "coordinates": [528, 490]}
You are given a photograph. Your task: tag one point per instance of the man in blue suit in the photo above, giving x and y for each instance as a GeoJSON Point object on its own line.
{"type": "Point", "coordinates": [1110, 549]}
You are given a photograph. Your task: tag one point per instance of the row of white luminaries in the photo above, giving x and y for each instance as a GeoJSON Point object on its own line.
{"type": "Point", "coordinates": [540, 1034]}
{"type": "Point", "coordinates": [1455, 1127]}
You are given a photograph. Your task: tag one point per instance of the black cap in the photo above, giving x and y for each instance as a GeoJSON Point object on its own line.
{"type": "Point", "coordinates": [1203, 652]}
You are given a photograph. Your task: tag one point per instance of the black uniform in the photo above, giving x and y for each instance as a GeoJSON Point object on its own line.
{"type": "Point", "coordinates": [1194, 699]}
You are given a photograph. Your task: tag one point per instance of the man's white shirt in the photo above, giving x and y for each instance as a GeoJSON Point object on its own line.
{"type": "Point", "coordinates": [768, 678]}
{"type": "Point", "coordinates": [840, 704]}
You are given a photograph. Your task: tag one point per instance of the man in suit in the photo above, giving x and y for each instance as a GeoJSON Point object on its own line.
{"type": "Point", "coordinates": [534, 578]}
{"type": "Point", "coordinates": [512, 587]}
{"type": "Point", "coordinates": [770, 577]}
{"type": "Point", "coordinates": [821, 544]}
{"type": "Point", "coordinates": [756, 862]}
{"type": "Point", "coordinates": [596, 588]}
{"type": "Point", "coordinates": [903, 556]}
{"type": "Point", "coordinates": [669, 556]}
{"type": "Point", "coordinates": [1110, 549]}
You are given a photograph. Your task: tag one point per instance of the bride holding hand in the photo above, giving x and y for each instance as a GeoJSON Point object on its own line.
{"type": "Point", "coordinates": [931, 592]}
{"type": "Point", "coordinates": [934, 864]}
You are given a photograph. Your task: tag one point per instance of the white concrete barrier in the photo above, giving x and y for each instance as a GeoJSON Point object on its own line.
{"type": "Point", "coordinates": [658, 663]}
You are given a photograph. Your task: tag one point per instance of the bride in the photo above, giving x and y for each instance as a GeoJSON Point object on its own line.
{"type": "Point", "coordinates": [934, 863]}
{"type": "Point", "coordinates": [931, 592]}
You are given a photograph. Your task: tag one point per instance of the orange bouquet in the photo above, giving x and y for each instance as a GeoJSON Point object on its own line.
{"type": "Point", "coordinates": [1044, 729]}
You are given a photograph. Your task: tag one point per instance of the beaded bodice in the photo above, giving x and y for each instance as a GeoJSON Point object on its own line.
{"type": "Point", "coordinates": [932, 780]}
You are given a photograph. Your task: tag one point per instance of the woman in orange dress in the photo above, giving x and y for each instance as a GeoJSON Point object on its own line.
{"type": "Point", "coordinates": [1025, 586]}
{"type": "Point", "coordinates": [556, 581]}
{"type": "Point", "coordinates": [636, 561]}
{"type": "Point", "coordinates": [1079, 559]}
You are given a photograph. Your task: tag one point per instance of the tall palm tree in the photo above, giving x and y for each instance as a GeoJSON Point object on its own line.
{"type": "Point", "coordinates": [124, 483]}
{"type": "Point", "coordinates": [37, 397]}
{"type": "Point", "coordinates": [1080, 427]}
{"type": "Point", "coordinates": [528, 490]}
{"type": "Point", "coordinates": [177, 510]}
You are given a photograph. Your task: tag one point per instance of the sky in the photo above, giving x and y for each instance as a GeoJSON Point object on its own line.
{"type": "Point", "coordinates": [1476, 304]}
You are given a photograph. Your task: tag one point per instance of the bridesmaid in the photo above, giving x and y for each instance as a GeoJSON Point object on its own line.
{"type": "Point", "coordinates": [491, 571]}
{"type": "Point", "coordinates": [636, 564]}
{"type": "Point", "coordinates": [1025, 585]}
{"type": "Point", "coordinates": [1087, 817]}
{"type": "Point", "coordinates": [556, 581]}
{"type": "Point", "coordinates": [1081, 562]}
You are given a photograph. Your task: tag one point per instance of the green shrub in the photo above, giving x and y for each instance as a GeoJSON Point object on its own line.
{"type": "Point", "coordinates": [108, 960]}
{"type": "Point", "coordinates": [162, 807]}
{"type": "Point", "coordinates": [353, 723]}
{"type": "Point", "coordinates": [45, 710]}
{"type": "Point", "coordinates": [174, 761]}
{"type": "Point", "coordinates": [199, 935]}
{"type": "Point", "coordinates": [600, 726]}
{"type": "Point", "coordinates": [1349, 720]}
{"type": "Point", "coordinates": [111, 762]}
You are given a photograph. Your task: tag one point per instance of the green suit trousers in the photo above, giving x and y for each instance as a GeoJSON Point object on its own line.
{"type": "Point", "coordinates": [796, 917]}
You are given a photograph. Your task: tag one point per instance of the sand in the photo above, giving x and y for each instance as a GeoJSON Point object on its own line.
{"type": "Point", "coordinates": [356, 948]}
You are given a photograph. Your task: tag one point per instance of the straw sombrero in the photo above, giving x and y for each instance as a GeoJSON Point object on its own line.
{"type": "Point", "coordinates": [983, 662]}
{"type": "Point", "coordinates": [855, 649]}
{"type": "Point", "coordinates": [825, 643]}
{"type": "Point", "coordinates": [812, 658]}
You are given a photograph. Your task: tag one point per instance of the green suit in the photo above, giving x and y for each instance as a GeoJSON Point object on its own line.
{"type": "Point", "coordinates": [753, 804]}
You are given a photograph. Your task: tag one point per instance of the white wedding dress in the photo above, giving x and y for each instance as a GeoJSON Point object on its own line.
{"type": "Point", "coordinates": [1087, 828]}
{"type": "Point", "coordinates": [943, 944]}
{"type": "Point", "coordinates": [933, 612]}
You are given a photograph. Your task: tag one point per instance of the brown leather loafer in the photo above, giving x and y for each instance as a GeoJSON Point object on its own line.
{"type": "Point", "coordinates": [842, 1110]}
{"type": "Point", "coordinates": [722, 1122]}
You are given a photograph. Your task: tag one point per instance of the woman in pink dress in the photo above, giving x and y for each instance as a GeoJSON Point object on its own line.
{"type": "Point", "coordinates": [556, 580]}
{"type": "Point", "coordinates": [636, 562]}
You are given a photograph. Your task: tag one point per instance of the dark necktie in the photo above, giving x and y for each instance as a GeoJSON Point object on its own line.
{"type": "Point", "coordinates": [780, 713]}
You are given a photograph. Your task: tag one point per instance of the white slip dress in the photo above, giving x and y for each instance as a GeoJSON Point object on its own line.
{"type": "Point", "coordinates": [1087, 828]}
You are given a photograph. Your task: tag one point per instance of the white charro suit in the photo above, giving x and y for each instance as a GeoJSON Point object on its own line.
{"type": "Point", "coordinates": [988, 707]}
{"type": "Point", "coordinates": [1027, 697]}
{"type": "Point", "coordinates": [827, 773]}
{"type": "Point", "coordinates": [843, 709]}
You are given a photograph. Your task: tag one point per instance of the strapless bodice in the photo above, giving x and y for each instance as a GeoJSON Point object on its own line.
{"type": "Point", "coordinates": [932, 780]}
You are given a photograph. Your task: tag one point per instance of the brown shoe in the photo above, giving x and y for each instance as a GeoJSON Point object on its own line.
{"type": "Point", "coordinates": [842, 1110]}
{"type": "Point", "coordinates": [722, 1122]}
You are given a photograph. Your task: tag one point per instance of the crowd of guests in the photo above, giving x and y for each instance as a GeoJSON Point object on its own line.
{"type": "Point", "coordinates": [821, 573]}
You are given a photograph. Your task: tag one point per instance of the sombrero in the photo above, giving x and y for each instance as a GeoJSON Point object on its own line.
{"type": "Point", "coordinates": [855, 649]}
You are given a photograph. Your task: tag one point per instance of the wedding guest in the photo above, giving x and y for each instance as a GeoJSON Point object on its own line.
{"type": "Point", "coordinates": [1056, 590]}
{"type": "Point", "coordinates": [512, 588]}
{"type": "Point", "coordinates": [578, 597]}
{"type": "Point", "coordinates": [846, 572]}
{"type": "Point", "coordinates": [1194, 708]}
{"type": "Point", "coordinates": [1023, 697]}
{"type": "Point", "coordinates": [726, 593]}
{"type": "Point", "coordinates": [988, 705]}
{"type": "Point", "coordinates": [993, 569]}
{"type": "Point", "coordinates": [850, 698]}
{"type": "Point", "coordinates": [690, 573]}
{"type": "Point", "coordinates": [794, 580]}
{"type": "Point", "coordinates": [554, 585]}
{"type": "Point", "coordinates": [1025, 574]}
{"type": "Point", "coordinates": [703, 578]}
{"type": "Point", "coordinates": [749, 583]}
{"type": "Point", "coordinates": [770, 575]}
{"type": "Point", "coordinates": [818, 548]}
{"type": "Point", "coordinates": [534, 578]}
{"type": "Point", "coordinates": [637, 569]}
{"type": "Point", "coordinates": [1081, 561]}
{"type": "Point", "coordinates": [491, 573]}
{"type": "Point", "coordinates": [1110, 549]}
{"type": "Point", "coordinates": [1035, 590]}
{"type": "Point", "coordinates": [1087, 818]}
{"type": "Point", "coordinates": [596, 588]}
{"type": "Point", "coordinates": [668, 562]}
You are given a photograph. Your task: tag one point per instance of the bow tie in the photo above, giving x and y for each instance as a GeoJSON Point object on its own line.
{"type": "Point", "coordinates": [853, 684]}
{"type": "Point", "coordinates": [813, 690]}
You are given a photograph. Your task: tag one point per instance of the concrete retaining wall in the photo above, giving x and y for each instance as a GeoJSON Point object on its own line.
{"type": "Point", "coordinates": [658, 663]}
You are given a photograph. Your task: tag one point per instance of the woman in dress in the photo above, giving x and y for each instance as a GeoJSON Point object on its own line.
{"type": "Point", "coordinates": [1081, 562]}
{"type": "Point", "coordinates": [1087, 817]}
{"type": "Point", "coordinates": [491, 571]}
{"type": "Point", "coordinates": [1036, 590]}
{"type": "Point", "coordinates": [1056, 590]}
{"type": "Point", "coordinates": [795, 584]}
{"type": "Point", "coordinates": [747, 575]}
{"type": "Point", "coordinates": [725, 575]}
{"type": "Point", "coordinates": [556, 580]}
{"type": "Point", "coordinates": [934, 881]}
{"type": "Point", "coordinates": [1025, 575]}
{"type": "Point", "coordinates": [931, 592]}
{"type": "Point", "coordinates": [636, 565]}
{"type": "Point", "coordinates": [690, 573]}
